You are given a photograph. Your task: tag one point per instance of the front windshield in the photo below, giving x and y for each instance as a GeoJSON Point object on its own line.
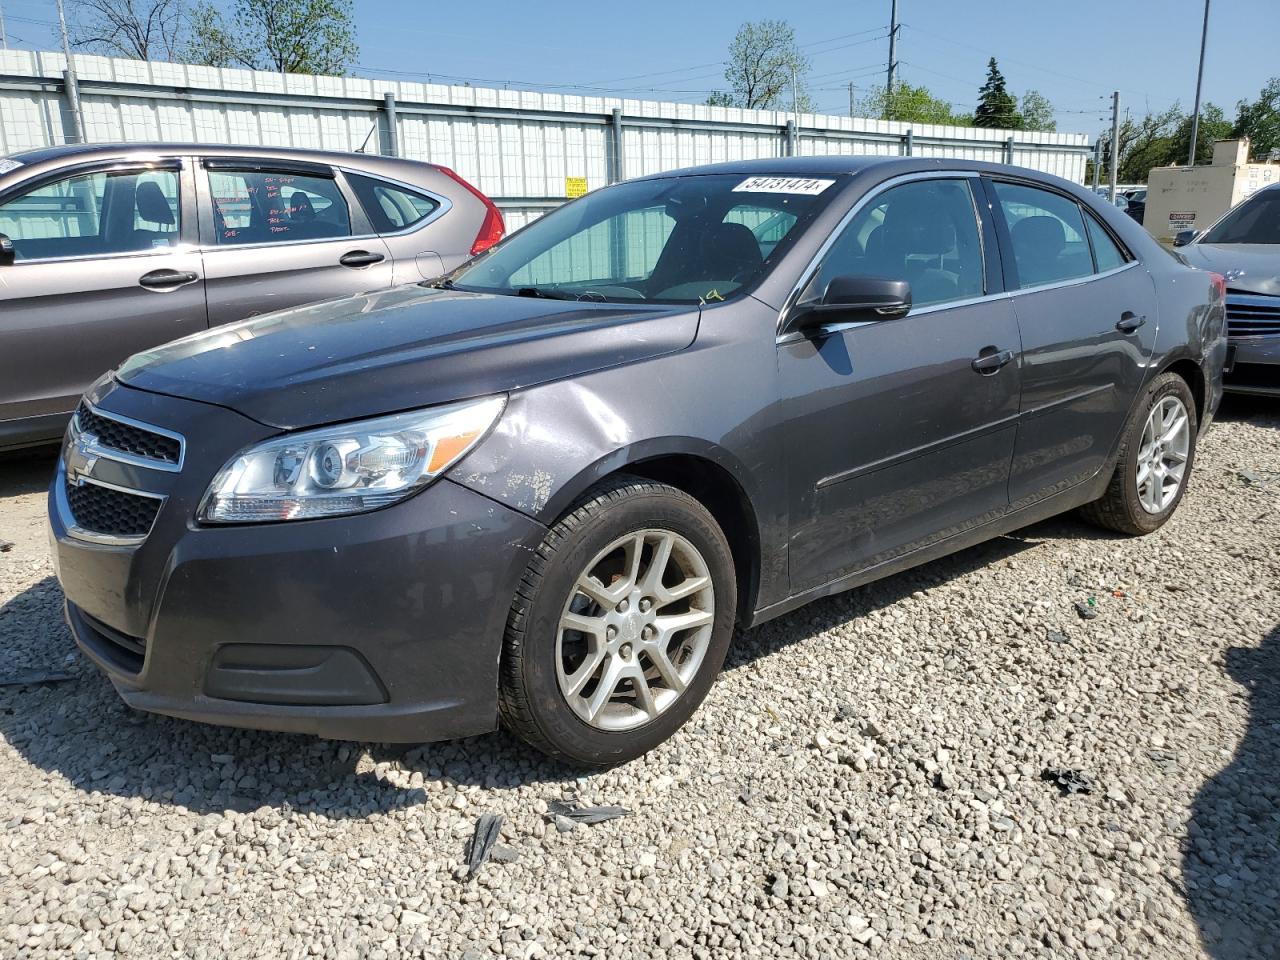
{"type": "Point", "coordinates": [696, 239]}
{"type": "Point", "coordinates": [1257, 220]}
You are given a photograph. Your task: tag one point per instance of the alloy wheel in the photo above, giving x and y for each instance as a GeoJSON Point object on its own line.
{"type": "Point", "coordinates": [1162, 454]}
{"type": "Point", "coordinates": [635, 629]}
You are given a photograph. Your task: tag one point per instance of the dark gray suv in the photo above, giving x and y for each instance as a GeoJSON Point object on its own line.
{"type": "Point", "coordinates": [547, 487]}
{"type": "Point", "coordinates": [107, 249]}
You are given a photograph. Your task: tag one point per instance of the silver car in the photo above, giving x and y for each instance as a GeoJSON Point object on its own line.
{"type": "Point", "coordinates": [108, 249]}
{"type": "Point", "coordinates": [1244, 246]}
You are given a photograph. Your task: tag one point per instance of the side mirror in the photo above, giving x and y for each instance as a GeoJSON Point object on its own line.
{"type": "Point", "coordinates": [7, 253]}
{"type": "Point", "coordinates": [856, 300]}
{"type": "Point", "coordinates": [1183, 237]}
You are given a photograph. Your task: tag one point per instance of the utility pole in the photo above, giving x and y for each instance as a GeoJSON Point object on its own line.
{"type": "Point", "coordinates": [4, 37]}
{"type": "Point", "coordinates": [1195, 114]}
{"type": "Point", "coordinates": [850, 99]}
{"type": "Point", "coordinates": [795, 97]}
{"type": "Point", "coordinates": [73, 88]}
{"type": "Point", "coordinates": [1115, 145]}
{"type": "Point", "coordinates": [893, 55]}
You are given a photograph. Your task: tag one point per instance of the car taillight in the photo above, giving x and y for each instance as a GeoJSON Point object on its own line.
{"type": "Point", "coordinates": [1219, 283]}
{"type": "Point", "coordinates": [492, 228]}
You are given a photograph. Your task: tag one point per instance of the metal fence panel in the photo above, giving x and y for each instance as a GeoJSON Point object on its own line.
{"type": "Point", "coordinates": [520, 147]}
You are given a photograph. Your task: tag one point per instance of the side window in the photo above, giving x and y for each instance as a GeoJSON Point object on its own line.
{"type": "Point", "coordinates": [924, 232]}
{"type": "Point", "coordinates": [390, 207]}
{"type": "Point", "coordinates": [1106, 255]}
{"type": "Point", "coordinates": [255, 206]}
{"type": "Point", "coordinates": [1047, 233]}
{"type": "Point", "coordinates": [95, 214]}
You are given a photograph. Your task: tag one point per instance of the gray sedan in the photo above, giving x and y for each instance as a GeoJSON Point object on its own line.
{"type": "Point", "coordinates": [547, 487]}
{"type": "Point", "coordinates": [106, 250]}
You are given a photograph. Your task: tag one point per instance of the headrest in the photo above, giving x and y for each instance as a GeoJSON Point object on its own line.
{"type": "Point", "coordinates": [300, 208]}
{"type": "Point", "coordinates": [1040, 236]}
{"type": "Point", "coordinates": [151, 204]}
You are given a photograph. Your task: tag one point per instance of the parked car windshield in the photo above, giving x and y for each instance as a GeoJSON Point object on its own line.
{"type": "Point", "coordinates": [691, 239]}
{"type": "Point", "coordinates": [1257, 220]}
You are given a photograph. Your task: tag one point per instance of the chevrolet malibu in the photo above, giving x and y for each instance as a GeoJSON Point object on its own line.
{"type": "Point", "coordinates": [544, 489]}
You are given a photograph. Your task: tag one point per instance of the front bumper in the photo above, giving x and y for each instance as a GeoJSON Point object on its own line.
{"type": "Point", "coordinates": [385, 626]}
{"type": "Point", "coordinates": [1254, 366]}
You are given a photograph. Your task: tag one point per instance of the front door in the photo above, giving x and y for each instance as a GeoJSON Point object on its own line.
{"type": "Point", "coordinates": [1087, 313]}
{"type": "Point", "coordinates": [105, 266]}
{"type": "Point", "coordinates": [276, 235]}
{"type": "Point", "coordinates": [894, 437]}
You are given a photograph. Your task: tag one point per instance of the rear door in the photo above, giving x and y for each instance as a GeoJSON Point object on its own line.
{"type": "Point", "coordinates": [899, 432]}
{"type": "Point", "coordinates": [1087, 313]}
{"type": "Point", "coordinates": [279, 234]}
{"type": "Point", "coordinates": [106, 266]}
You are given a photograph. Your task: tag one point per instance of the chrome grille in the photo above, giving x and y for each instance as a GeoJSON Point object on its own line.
{"type": "Point", "coordinates": [1252, 315]}
{"type": "Point", "coordinates": [129, 438]}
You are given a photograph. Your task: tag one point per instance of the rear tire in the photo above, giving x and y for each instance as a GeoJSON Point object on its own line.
{"type": "Point", "coordinates": [1155, 461]}
{"type": "Point", "coordinates": [650, 643]}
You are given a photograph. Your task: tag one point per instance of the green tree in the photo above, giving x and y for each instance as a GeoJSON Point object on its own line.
{"type": "Point", "coordinates": [292, 36]}
{"type": "Point", "coordinates": [910, 104]}
{"type": "Point", "coordinates": [763, 59]}
{"type": "Point", "coordinates": [1260, 120]}
{"type": "Point", "coordinates": [1144, 144]}
{"type": "Point", "coordinates": [1037, 112]}
{"type": "Point", "coordinates": [997, 107]}
{"type": "Point", "coordinates": [1214, 125]}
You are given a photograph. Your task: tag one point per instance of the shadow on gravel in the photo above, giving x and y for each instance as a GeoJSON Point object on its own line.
{"type": "Point", "coordinates": [27, 471]}
{"type": "Point", "coordinates": [1231, 860]}
{"type": "Point", "coordinates": [1239, 407]}
{"type": "Point", "coordinates": [81, 730]}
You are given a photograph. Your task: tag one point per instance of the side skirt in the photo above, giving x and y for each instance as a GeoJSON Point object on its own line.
{"type": "Point", "coordinates": [1032, 513]}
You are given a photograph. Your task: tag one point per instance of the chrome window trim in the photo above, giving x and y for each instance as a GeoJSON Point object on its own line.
{"type": "Point", "coordinates": [443, 202]}
{"type": "Point", "coordinates": [277, 244]}
{"type": "Point", "coordinates": [1074, 281]}
{"type": "Point", "coordinates": [91, 536]}
{"type": "Point", "coordinates": [815, 262]}
{"type": "Point", "coordinates": [123, 456]}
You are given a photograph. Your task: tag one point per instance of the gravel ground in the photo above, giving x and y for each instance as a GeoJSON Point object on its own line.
{"type": "Point", "coordinates": [865, 779]}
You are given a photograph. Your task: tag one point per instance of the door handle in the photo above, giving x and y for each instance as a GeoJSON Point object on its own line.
{"type": "Point", "coordinates": [1129, 322]}
{"type": "Point", "coordinates": [990, 360]}
{"type": "Point", "coordinates": [360, 258]}
{"type": "Point", "coordinates": [166, 279]}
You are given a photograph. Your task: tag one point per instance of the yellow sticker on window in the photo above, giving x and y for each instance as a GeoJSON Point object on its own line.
{"type": "Point", "coordinates": [575, 187]}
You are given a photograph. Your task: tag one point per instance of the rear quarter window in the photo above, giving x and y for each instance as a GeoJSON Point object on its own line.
{"type": "Point", "coordinates": [391, 207]}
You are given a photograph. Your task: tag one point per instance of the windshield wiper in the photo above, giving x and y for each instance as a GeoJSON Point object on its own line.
{"type": "Point", "coordinates": [544, 294]}
{"type": "Point", "coordinates": [444, 283]}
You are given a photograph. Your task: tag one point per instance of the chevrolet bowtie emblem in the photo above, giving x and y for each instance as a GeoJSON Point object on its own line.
{"type": "Point", "coordinates": [80, 458]}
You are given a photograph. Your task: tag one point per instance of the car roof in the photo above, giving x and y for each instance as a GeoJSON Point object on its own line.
{"type": "Point", "coordinates": [832, 166]}
{"type": "Point", "coordinates": [44, 159]}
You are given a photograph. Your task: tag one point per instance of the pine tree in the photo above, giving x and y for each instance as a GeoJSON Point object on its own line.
{"type": "Point", "coordinates": [996, 105]}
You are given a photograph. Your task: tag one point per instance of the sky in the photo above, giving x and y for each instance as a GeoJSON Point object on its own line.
{"type": "Point", "coordinates": [1074, 53]}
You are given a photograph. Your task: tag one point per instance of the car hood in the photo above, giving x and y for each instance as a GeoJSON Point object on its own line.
{"type": "Point", "coordinates": [1248, 267]}
{"type": "Point", "coordinates": [399, 349]}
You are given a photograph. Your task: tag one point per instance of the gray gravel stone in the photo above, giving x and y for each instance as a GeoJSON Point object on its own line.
{"type": "Point", "coordinates": [864, 779]}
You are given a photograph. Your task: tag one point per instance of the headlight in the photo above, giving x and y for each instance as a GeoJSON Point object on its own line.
{"type": "Point", "coordinates": [348, 468]}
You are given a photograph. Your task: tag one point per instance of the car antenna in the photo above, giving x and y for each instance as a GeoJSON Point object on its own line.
{"type": "Point", "coordinates": [372, 130]}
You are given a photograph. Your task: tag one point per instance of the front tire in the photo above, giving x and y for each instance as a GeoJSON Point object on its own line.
{"type": "Point", "coordinates": [619, 626]}
{"type": "Point", "coordinates": [1155, 461]}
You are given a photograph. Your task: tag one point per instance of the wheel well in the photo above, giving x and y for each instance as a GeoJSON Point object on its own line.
{"type": "Point", "coordinates": [1190, 371]}
{"type": "Point", "coordinates": [717, 490]}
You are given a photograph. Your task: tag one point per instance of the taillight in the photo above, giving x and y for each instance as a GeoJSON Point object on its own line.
{"type": "Point", "coordinates": [492, 228]}
{"type": "Point", "coordinates": [1219, 283]}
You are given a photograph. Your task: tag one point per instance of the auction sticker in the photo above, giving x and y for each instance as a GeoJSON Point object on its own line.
{"type": "Point", "coordinates": [7, 165]}
{"type": "Point", "coordinates": [806, 186]}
